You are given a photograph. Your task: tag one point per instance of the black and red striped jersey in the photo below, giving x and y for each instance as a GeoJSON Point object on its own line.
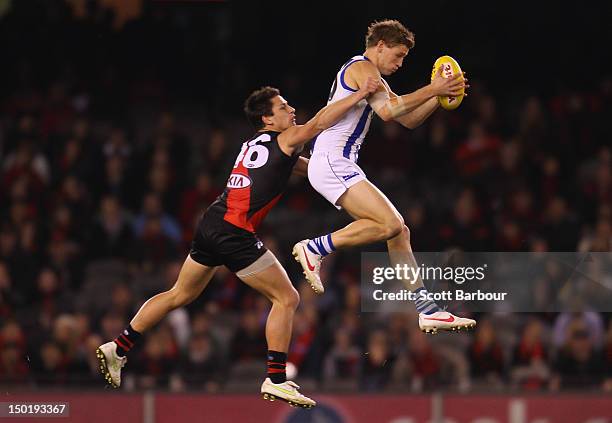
{"type": "Point", "coordinates": [257, 181]}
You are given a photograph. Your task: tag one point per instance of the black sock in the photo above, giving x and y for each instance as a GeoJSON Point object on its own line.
{"type": "Point", "coordinates": [276, 366]}
{"type": "Point", "coordinates": [127, 340]}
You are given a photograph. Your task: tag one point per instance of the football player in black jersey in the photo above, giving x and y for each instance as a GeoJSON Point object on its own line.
{"type": "Point", "coordinates": [226, 235]}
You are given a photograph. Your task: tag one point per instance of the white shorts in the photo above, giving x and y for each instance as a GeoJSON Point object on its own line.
{"type": "Point", "coordinates": [331, 175]}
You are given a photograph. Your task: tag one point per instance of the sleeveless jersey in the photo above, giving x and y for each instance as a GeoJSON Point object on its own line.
{"type": "Point", "coordinates": [347, 135]}
{"type": "Point", "coordinates": [256, 183]}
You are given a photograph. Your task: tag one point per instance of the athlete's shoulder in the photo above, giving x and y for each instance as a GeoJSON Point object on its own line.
{"type": "Point", "coordinates": [358, 72]}
{"type": "Point", "coordinates": [265, 134]}
{"type": "Point", "coordinates": [363, 67]}
{"type": "Point", "coordinates": [263, 137]}
{"type": "Point", "coordinates": [272, 134]}
{"type": "Point", "coordinates": [356, 59]}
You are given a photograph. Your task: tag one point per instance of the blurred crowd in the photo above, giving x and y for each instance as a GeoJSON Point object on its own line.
{"type": "Point", "coordinates": [99, 196]}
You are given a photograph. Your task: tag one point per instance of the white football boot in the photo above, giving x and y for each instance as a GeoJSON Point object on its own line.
{"type": "Point", "coordinates": [286, 391]}
{"type": "Point", "coordinates": [110, 363]}
{"type": "Point", "coordinates": [443, 320]}
{"type": "Point", "coordinates": [311, 263]}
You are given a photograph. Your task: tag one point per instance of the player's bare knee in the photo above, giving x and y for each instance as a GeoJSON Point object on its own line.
{"type": "Point", "coordinates": [290, 299]}
{"type": "Point", "coordinates": [405, 233]}
{"type": "Point", "coordinates": [393, 228]}
{"type": "Point", "coordinates": [401, 242]}
{"type": "Point", "coordinates": [293, 299]}
{"type": "Point", "coordinates": [179, 298]}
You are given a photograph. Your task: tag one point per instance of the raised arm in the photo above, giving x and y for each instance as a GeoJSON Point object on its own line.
{"type": "Point", "coordinates": [295, 137]}
{"type": "Point", "coordinates": [389, 106]}
{"type": "Point", "coordinates": [416, 117]}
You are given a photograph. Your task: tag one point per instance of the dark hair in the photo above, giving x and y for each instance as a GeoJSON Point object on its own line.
{"type": "Point", "coordinates": [259, 104]}
{"type": "Point", "coordinates": [390, 31]}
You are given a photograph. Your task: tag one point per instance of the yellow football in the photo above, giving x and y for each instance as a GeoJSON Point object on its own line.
{"type": "Point", "coordinates": [450, 67]}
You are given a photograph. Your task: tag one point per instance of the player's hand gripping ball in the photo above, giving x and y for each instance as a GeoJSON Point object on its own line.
{"type": "Point", "coordinates": [450, 67]}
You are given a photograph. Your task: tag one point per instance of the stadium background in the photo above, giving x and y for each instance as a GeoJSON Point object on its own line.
{"type": "Point", "coordinates": [120, 120]}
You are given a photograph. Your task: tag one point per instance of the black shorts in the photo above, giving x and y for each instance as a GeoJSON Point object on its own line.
{"type": "Point", "coordinates": [217, 242]}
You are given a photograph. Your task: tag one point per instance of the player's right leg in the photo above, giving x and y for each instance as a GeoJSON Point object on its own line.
{"type": "Point", "coordinates": [191, 281]}
{"type": "Point", "coordinates": [376, 219]}
{"type": "Point", "coordinates": [344, 184]}
{"type": "Point", "coordinates": [268, 277]}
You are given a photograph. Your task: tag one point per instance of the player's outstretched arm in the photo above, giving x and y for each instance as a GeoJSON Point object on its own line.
{"type": "Point", "coordinates": [416, 117]}
{"type": "Point", "coordinates": [388, 106]}
{"type": "Point", "coordinates": [295, 137]}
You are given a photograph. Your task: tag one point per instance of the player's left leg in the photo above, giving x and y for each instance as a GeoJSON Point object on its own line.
{"type": "Point", "coordinates": [431, 317]}
{"type": "Point", "coordinates": [192, 280]}
{"type": "Point", "coordinates": [267, 276]}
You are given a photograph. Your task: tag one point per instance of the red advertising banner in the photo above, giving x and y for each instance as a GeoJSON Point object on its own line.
{"type": "Point", "coordinates": [534, 409]}
{"type": "Point", "coordinates": [569, 409]}
{"type": "Point", "coordinates": [329, 409]}
{"type": "Point", "coordinates": [118, 407]}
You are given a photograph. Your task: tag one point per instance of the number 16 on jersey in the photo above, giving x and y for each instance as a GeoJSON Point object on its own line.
{"type": "Point", "coordinates": [253, 155]}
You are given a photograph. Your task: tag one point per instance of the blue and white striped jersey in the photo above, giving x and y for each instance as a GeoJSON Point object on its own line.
{"type": "Point", "coordinates": [347, 135]}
